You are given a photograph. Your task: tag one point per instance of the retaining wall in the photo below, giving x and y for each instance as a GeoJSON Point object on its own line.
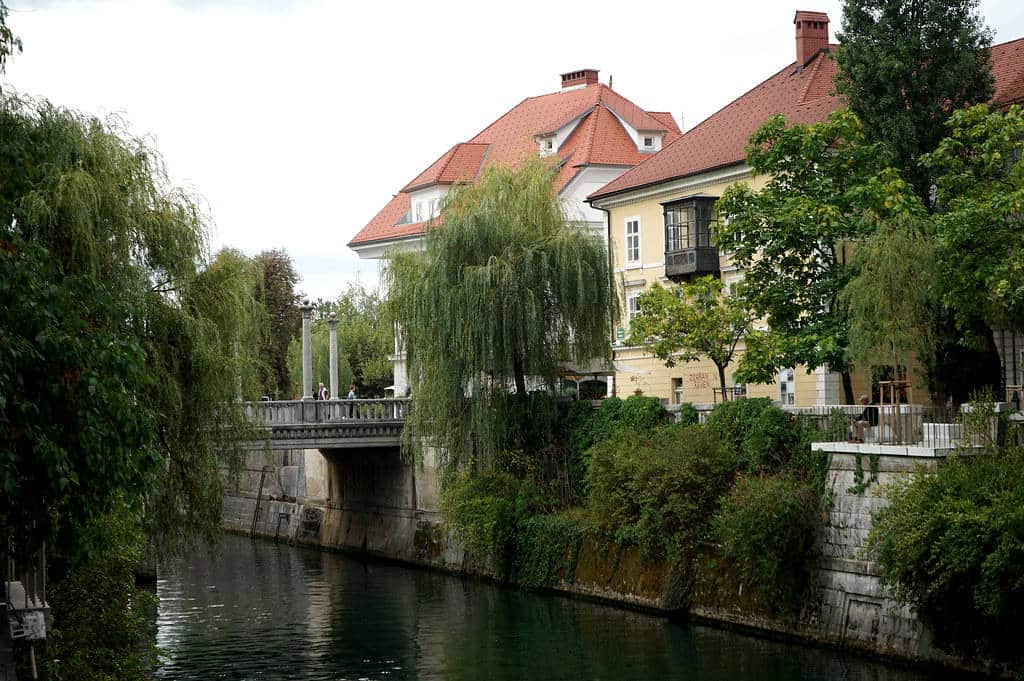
{"type": "Point", "coordinates": [373, 502]}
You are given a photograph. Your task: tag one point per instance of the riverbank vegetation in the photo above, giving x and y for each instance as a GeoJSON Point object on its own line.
{"type": "Point", "coordinates": [952, 545]}
{"type": "Point", "coordinates": [676, 492]}
{"type": "Point", "coordinates": [125, 347]}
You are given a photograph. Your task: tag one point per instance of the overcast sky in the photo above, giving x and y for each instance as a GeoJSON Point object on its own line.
{"type": "Point", "coordinates": [298, 120]}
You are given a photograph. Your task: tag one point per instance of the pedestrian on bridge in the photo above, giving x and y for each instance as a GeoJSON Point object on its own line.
{"type": "Point", "coordinates": [351, 396]}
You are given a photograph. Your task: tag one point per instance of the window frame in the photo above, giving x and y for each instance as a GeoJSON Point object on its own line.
{"type": "Point", "coordinates": [635, 220]}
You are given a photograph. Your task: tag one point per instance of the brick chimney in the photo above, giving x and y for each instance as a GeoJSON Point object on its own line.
{"type": "Point", "coordinates": [811, 35]}
{"type": "Point", "coordinates": [580, 78]}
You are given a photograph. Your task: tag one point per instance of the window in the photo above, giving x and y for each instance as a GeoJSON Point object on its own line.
{"type": "Point", "coordinates": [435, 207]}
{"type": "Point", "coordinates": [419, 211]}
{"type": "Point", "coordinates": [787, 387]}
{"type": "Point", "coordinates": [677, 391]}
{"type": "Point", "coordinates": [632, 306]}
{"type": "Point", "coordinates": [547, 146]}
{"type": "Point", "coordinates": [648, 143]}
{"type": "Point", "coordinates": [688, 225]}
{"type": "Point", "coordinates": [633, 240]}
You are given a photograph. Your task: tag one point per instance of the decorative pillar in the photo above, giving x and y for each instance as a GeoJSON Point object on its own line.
{"type": "Point", "coordinates": [307, 352]}
{"type": "Point", "coordinates": [332, 324]}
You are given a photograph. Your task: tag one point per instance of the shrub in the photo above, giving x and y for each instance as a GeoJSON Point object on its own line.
{"type": "Point", "coordinates": [687, 415]}
{"type": "Point", "coordinates": [585, 426]}
{"type": "Point", "coordinates": [103, 623]}
{"type": "Point", "coordinates": [765, 528]}
{"type": "Point", "coordinates": [951, 544]}
{"type": "Point", "coordinates": [762, 435]}
{"type": "Point", "coordinates": [546, 545]}
{"type": "Point", "coordinates": [637, 414]}
{"type": "Point", "coordinates": [659, 491]}
{"type": "Point", "coordinates": [484, 511]}
{"type": "Point", "coordinates": [481, 512]}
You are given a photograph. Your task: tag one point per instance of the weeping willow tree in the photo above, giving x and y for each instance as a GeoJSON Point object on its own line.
{"type": "Point", "coordinates": [506, 291]}
{"type": "Point", "coordinates": [124, 347]}
{"type": "Point", "coordinates": [893, 298]}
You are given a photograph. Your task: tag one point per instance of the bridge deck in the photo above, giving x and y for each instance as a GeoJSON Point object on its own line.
{"type": "Point", "coordinates": [330, 424]}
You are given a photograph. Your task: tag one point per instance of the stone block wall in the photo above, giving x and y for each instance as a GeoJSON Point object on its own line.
{"type": "Point", "coordinates": [372, 501]}
{"type": "Point", "coordinates": [851, 606]}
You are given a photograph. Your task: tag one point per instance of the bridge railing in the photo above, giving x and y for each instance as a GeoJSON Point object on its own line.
{"type": "Point", "coordinates": [288, 412]}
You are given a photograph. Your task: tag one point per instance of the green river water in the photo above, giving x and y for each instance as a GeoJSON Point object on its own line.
{"type": "Point", "coordinates": [259, 610]}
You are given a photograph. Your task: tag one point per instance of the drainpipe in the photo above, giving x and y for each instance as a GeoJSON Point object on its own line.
{"type": "Point", "coordinates": [611, 269]}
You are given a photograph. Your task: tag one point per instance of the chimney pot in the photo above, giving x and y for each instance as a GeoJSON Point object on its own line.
{"type": "Point", "coordinates": [811, 35]}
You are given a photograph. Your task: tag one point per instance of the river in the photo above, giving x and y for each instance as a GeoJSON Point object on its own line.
{"type": "Point", "coordinates": [259, 610]}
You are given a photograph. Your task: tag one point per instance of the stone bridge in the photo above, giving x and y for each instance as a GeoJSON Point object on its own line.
{"type": "Point", "coordinates": [328, 424]}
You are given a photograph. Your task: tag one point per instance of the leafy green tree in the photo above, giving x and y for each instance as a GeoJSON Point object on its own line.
{"type": "Point", "coordinates": [278, 295]}
{"type": "Point", "coordinates": [951, 544]}
{"type": "Point", "coordinates": [506, 288]}
{"type": "Point", "coordinates": [894, 295]}
{"type": "Point", "coordinates": [9, 43]}
{"type": "Point", "coordinates": [124, 351]}
{"type": "Point", "coordinates": [826, 187]}
{"type": "Point", "coordinates": [980, 181]}
{"type": "Point", "coordinates": [904, 66]}
{"type": "Point", "coordinates": [690, 321]}
{"type": "Point", "coordinates": [366, 338]}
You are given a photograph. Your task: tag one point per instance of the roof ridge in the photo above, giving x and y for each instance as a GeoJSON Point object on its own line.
{"type": "Point", "coordinates": [643, 112]}
{"type": "Point", "coordinates": [811, 80]}
{"type": "Point", "coordinates": [686, 135]}
{"type": "Point", "coordinates": [450, 150]}
{"type": "Point", "coordinates": [1007, 42]}
{"type": "Point", "coordinates": [483, 161]}
{"type": "Point", "coordinates": [454, 150]}
{"type": "Point", "coordinates": [588, 143]}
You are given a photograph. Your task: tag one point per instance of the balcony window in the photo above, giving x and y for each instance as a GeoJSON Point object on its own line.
{"type": "Point", "coordinates": [688, 237]}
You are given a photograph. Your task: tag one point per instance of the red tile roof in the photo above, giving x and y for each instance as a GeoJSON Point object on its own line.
{"type": "Point", "coordinates": [1008, 69]}
{"type": "Point", "coordinates": [459, 164]}
{"type": "Point", "coordinates": [802, 96]}
{"type": "Point", "coordinates": [598, 139]}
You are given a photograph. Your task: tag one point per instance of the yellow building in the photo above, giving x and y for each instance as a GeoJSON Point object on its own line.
{"type": "Point", "coordinates": [661, 212]}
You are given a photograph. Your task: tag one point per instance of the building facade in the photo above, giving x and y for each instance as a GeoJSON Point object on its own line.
{"type": "Point", "coordinates": [591, 132]}
{"type": "Point", "coordinates": [662, 214]}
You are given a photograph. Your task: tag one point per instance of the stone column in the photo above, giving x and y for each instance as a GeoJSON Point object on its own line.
{"type": "Point", "coordinates": [332, 324]}
{"type": "Point", "coordinates": [307, 352]}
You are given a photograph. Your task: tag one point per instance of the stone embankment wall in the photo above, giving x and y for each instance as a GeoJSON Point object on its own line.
{"type": "Point", "coordinates": [847, 605]}
{"type": "Point", "coordinates": [373, 502]}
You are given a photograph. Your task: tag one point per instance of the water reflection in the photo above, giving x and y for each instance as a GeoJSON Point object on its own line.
{"type": "Point", "coordinates": [269, 611]}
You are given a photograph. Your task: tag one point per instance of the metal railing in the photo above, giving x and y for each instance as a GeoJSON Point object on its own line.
{"type": "Point", "coordinates": [896, 424]}
{"type": "Point", "coordinates": [903, 424]}
{"type": "Point", "coordinates": [291, 412]}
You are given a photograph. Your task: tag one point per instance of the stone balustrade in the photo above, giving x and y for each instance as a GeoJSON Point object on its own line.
{"type": "Point", "coordinates": [330, 423]}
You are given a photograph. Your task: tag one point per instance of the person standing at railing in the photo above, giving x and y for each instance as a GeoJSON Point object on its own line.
{"type": "Point", "coordinates": [351, 396]}
{"type": "Point", "coordinates": [868, 417]}
{"type": "Point", "coordinates": [321, 392]}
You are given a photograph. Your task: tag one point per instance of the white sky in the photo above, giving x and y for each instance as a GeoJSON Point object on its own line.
{"type": "Point", "coordinates": [298, 120]}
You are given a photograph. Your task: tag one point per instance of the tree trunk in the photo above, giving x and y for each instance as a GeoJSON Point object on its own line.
{"type": "Point", "coordinates": [847, 387]}
{"type": "Point", "coordinates": [721, 382]}
{"type": "Point", "coordinates": [520, 376]}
